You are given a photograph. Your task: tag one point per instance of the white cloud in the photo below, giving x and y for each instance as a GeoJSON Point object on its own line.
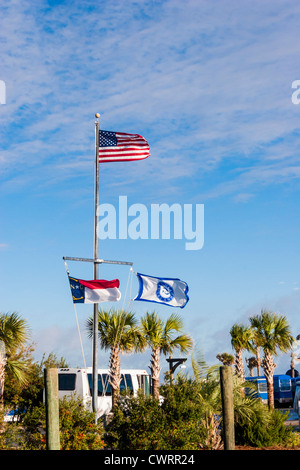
{"type": "Point", "coordinates": [207, 83]}
{"type": "Point", "coordinates": [63, 342]}
{"type": "Point", "coordinates": [212, 87]}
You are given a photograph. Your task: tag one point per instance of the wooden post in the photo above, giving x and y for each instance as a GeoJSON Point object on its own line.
{"type": "Point", "coordinates": [227, 405]}
{"type": "Point", "coordinates": [52, 409]}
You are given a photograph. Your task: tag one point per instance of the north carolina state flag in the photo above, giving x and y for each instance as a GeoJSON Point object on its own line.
{"type": "Point", "coordinates": [92, 292]}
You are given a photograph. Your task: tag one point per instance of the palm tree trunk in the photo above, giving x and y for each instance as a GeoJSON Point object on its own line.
{"type": "Point", "coordinates": [258, 360]}
{"type": "Point", "coordinates": [270, 388]}
{"type": "Point", "coordinates": [239, 364]}
{"type": "Point", "coordinates": [2, 379]}
{"type": "Point", "coordinates": [115, 375]}
{"type": "Point", "coordinates": [240, 367]}
{"type": "Point", "coordinates": [269, 366]}
{"type": "Point", "coordinates": [292, 366]}
{"type": "Point", "coordinates": [155, 371]}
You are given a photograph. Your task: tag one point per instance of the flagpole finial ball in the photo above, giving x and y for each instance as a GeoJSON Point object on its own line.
{"type": "Point", "coordinates": [97, 115]}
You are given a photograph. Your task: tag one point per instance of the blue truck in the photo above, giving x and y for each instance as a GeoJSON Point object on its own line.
{"type": "Point", "coordinates": [283, 392]}
{"type": "Point", "coordinates": [260, 388]}
{"type": "Point", "coordinates": [295, 382]}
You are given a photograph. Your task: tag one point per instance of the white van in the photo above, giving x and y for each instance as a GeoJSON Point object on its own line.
{"type": "Point", "coordinates": [78, 382]}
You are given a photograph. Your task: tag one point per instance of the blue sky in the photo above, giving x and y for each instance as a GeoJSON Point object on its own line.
{"type": "Point", "coordinates": [209, 85]}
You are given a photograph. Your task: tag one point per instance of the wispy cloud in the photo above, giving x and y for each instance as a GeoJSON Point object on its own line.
{"type": "Point", "coordinates": [208, 84]}
{"type": "Point", "coordinates": [203, 87]}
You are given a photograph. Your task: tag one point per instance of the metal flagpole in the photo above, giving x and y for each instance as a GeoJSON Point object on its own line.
{"type": "Point", "coordinates": [98, 261]}
{"type": "Point", "coordinates": [96, 272]}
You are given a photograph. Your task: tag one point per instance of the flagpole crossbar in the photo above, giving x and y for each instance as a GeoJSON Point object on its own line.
{"type": "Point", "coordinates": [98, 261]}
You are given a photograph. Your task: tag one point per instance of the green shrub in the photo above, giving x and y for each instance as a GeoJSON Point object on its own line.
{"type": "Point", "coordinates": [142, 423]}
{"type": "Point", "coordinates": [190, 418]}
{"type": "Point", "coordinates": [136, 424]}
{"type": "Point", "coordinates": [264, 430]}
{"type": "Point", "coordinates": [78, 430]}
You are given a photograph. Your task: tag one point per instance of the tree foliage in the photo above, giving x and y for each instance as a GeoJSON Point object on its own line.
{"type": "Point", "coordinates": [78, 430]}
{"type": "Point", "coordinates": [118, 332]}
{"type": "Point", "coordinates": [14, 333]}
{"type": "Point", "coordinates": [21, 397]}
{"type": "Point", "coordinates": [162, 339]}
{"type": "Point", "coordinates": [272, 333]}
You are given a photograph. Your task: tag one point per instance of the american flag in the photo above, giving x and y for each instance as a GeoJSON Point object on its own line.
{"type": "Point", "coordinates": [121, 147]}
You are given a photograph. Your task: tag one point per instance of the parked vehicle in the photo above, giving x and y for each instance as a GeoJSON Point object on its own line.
{"type": "Point", "coordinates": [295, 381]}
{"type": "Point", "coordinates": [282, 384]}
{"type": "Point", "coordinates": [13, 415]}
{"type": "Point", "coordinates": [78, 382]}
{"type": "Point", "coordinates": [260, 387]}
{"type": "Point", "coordinates": [297, 399]}
{"type": "Point", "coordinates": [282, 390]}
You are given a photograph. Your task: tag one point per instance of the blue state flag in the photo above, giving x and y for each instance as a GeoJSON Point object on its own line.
{"type": "Point", "coordinates": [162, 290]}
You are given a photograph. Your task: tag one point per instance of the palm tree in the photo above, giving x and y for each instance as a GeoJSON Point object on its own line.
{"type": "Point", "coordinates": [119, 333]}
{"type": "Point", "coordinates": [256, 343]}
{"type": "Point", "coordinates": [273, 332]}
{"type": "Point", "coordinates": [159, 337]}
{"type": "Point", "coordinates": [240, 340]}
{"type": "Point", "coordinates": [251, 363]}
{"type": "Point", "coordinates": [14, 332]}
{"type": "Point", "coordinates": [210, 398]}
{"type": "Point", "coordinates": [226, 359]}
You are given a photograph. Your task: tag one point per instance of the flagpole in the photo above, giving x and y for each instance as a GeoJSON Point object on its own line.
{"type": "Point", "coordinates": [96, 272]}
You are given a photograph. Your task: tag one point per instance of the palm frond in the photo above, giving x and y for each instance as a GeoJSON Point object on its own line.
{"type": "Point", "coordinates": [19, 370]}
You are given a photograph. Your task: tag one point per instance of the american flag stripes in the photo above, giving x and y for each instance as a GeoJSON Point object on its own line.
{"type": "Point", "coordinates": [121, 147]}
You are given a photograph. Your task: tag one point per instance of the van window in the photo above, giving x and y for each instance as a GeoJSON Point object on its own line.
{"type": "Point", "coordinates": [66, 382]}
{"type": "Point", "coordinates": [104, 388]}
{"type": "Point", "coordinates": [262, 387]}
{"type": "Point", "coordinates": [285, 385]}
{"type": "Point", "coordinates": [126, 383]}
{"type": "Point", "coordinates": [106, 385]}
{"type": "Point", "coordinates": [144, 384]}
{"type": "Point", "coordinates": [129, 382]}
